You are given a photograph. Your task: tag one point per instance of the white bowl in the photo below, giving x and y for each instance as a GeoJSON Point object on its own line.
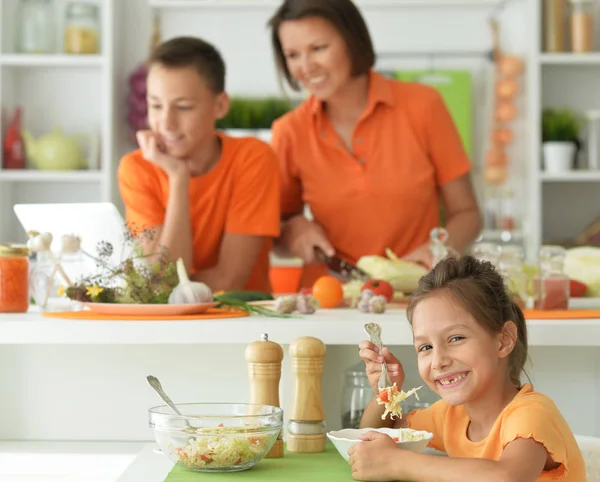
{"type": "Point", "coordinates": [346, 438]}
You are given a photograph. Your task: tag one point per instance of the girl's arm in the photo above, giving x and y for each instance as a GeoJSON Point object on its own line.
{"type": "Point", "coordinates": [523, 460]}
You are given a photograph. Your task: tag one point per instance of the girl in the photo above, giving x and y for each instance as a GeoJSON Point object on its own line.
{"type": "Point", "coordinates": [373, 157]}
{"type": "Point", "coordinates": [471, 343]}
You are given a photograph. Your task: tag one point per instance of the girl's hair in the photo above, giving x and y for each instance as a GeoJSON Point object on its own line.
{"type": "Point", "coordinates": [480, 289]}
{"type": "Point", "coordinates": [344, 15]}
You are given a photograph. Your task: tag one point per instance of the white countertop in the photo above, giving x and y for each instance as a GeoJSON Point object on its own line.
{"type": "Point", "coordinates": [333, 327]}
{"type": "Point", "coordinates": [150, 465]}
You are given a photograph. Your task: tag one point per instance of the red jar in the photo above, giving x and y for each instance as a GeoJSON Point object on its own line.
{"type": "Point", "coordinates": [14, 278]}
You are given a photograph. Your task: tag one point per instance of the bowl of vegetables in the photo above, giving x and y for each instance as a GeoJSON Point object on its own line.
{"type": "Point", "coordinates": [216, 437]}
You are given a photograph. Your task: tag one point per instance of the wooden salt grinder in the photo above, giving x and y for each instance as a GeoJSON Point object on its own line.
{"type": "Point", "coordinates": [264, 371]}
{"type": "Point", "coordinates": [306, 429]}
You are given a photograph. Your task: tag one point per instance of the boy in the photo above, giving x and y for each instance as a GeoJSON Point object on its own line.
{"type": "Point", "coordinates": [213, 200]}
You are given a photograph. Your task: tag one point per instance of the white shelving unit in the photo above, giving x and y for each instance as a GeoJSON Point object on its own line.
{"type": "Point", "coordinates": [561, 206]}
{"type": "Point", "coordinates": [72, 92]}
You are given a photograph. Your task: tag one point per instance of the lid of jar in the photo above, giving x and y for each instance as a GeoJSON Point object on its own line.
{"type": "Point", "coordinates": [11, 249]}
{"type": "Point", "coordinates": [357, 370]}
{"type": "Point", "coordinates": [82, 8]}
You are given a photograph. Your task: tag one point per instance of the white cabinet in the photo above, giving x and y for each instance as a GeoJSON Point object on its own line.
{"type": "Point", "coordinates": [57, 90]}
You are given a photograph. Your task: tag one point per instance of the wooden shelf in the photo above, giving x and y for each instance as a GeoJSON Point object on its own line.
{"type": "Point", "coordinates": [360, 3]}
{"type": "Point", "coordinates": [31, 175]}
{"type": "Point", "coordinates": [51, 60]}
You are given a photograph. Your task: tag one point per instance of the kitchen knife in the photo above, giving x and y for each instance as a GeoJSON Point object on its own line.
{"type": "Point", "coordinates": [341, 269]}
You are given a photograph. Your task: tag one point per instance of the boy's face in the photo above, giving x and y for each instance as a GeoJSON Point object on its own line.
{"type": "Point", "coordinates": [182, 110]}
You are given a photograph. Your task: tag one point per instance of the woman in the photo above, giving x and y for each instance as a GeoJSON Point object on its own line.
{"type": "Point", "coordinates": [371, 156]}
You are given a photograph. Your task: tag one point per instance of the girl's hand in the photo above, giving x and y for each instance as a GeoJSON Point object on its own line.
{"type": "Point", "coordinates": [300, 236]}
{"type": "Point", "coordinates": [373, 360]}
{"type": "Point", "coordinates": [372, 458]}
{"type": "Point", "coordinates": [154, 154]}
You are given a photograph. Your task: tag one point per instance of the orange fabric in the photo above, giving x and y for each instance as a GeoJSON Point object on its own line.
{"type": "Point", "coordinates": [386, 194]}
{"type": "Point", "coordinates": [560, 314]}
{"type": "Point", "coordinates": [210, 314]}
{"type": "Point", "coordinates": [529, 415]}
{"type": "Point", "coordinates": [240, 195]}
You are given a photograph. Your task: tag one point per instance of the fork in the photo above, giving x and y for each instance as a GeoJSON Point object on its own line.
{"type": "Point", "coordinates": [374, 332]}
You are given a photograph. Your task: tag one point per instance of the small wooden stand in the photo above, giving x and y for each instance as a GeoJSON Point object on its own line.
{"type": "Point", "coordinates": [306, 432]}
{"type": "Point", "coordinates": [264, 371]}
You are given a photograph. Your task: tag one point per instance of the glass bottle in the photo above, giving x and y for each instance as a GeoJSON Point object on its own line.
{"type": "Point", "coordinates": [438, 238]}
{"type": "Point", "coordinates": [36, 33]}
{"type": "Point", "coordinates": [14, 278]}
{"type": "Point", "coordinates": [82, 28]}
{"type": "Point", "coordinates": [510, 266]}
{"type": "Point", "coordinates": [552, 286]}
{"type": "Point", "coordinates": [356, 395]}
{"type": "Point", "coordinates": [582, 25]}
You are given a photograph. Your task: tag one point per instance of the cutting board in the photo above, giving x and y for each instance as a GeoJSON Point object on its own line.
{"type": "Point", "coordinates": [455, 87]}
{"type": "Point", "coordinates": [328, 466]}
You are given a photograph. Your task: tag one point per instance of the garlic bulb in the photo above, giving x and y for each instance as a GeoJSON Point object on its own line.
{"type": "Point", "coordinates": [188, 292]}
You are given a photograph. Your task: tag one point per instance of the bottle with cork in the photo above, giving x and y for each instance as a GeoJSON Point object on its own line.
{"type": "Point", "coordinates": [264, 359]}
{"type": "Point", "coordinates": [306, 428]}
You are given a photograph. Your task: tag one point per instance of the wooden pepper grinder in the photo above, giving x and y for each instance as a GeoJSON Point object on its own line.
{"type": "Point", "coordinates": [264, 371]}
{"type": "Point", "coordinates": [306, 429]}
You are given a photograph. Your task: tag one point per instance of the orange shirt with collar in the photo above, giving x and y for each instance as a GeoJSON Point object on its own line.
{"type": "Point", "coordinates": [529, 415]}
{"type": "Point", "coordinates": [385, 193]}
{"type": "Point", "coordinates": [240, 195]}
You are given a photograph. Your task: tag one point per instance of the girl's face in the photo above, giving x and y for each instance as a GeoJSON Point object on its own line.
{"type": "Point", "coordinates": [182, 109]}
{"type": "Point", "coordinates": [316, 55]}
{"type": "Point", "coordinates": [457, 358]}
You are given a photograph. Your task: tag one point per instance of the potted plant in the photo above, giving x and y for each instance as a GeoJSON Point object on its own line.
{"type": "Point", "coordinates": [560, 137]}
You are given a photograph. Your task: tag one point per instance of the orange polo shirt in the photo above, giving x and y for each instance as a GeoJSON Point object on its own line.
{"type": "Point", "coordinates": [239, 195]}
{"type": "Point", "coordinates": [529, 415]}
{"type": "Point", "coordinates": [385, 193]}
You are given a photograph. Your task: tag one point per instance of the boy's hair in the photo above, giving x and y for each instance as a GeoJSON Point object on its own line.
{"type": "Point", "coordinates": [480, 289]}
{"type": "Point", "coordinates": [192, 52]}
{"type": "Point", "coordinates": [343, 15]}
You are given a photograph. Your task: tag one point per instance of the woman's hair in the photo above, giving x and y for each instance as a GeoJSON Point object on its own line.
{"type": "Point", "coordinates": [343, 15]}
{"type": "Point", "coordinates": [480, 289]}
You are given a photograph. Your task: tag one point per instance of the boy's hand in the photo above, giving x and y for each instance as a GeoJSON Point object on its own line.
{"type": "Point", "coordinates": [152, 153]}
{"type": "Point", "coordinates": [371, 459]}
{"type": "Point", "coordinates": [373, 360]}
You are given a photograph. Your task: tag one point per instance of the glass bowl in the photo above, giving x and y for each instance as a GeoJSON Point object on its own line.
{"type": "Point", "coordinates": [216, 437]}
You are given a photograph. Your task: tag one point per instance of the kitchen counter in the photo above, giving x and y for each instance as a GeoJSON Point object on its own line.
{"type": "Point", "coordinates": [333, 327]}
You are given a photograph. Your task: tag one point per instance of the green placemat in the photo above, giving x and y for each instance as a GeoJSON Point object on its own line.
{"type": "Point", "coordinates": [328, 466]}
{"type": "Point", "coordinates": [455, 88]}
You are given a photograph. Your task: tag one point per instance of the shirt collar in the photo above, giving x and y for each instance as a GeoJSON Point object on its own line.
{"type": "Point", "coordinates": [380, 91]}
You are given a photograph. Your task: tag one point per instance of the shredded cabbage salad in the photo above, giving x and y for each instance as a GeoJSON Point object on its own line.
{"type": "Point", "coordinates": [222, 447]}
{"type": "Point", "coordinates": [391, 397]}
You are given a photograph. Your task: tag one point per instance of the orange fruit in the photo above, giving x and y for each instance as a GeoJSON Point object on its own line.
{"type": "Point", "coordinates": [328, 292]}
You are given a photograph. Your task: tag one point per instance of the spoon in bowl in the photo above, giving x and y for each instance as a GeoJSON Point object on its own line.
{"type": "Point", "coordinates": [154, 383]}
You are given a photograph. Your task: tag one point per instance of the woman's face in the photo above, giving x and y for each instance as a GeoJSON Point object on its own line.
{"type": "Point", "coordinates": [316, 55]}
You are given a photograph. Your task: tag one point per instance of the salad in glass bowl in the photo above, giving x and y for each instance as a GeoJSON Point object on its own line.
{"type": "Point", "coordinates": [216, 437]}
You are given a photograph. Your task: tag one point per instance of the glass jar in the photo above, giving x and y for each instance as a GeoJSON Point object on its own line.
{"type": "Point", "coordinates": [438, 238]}
{"type": "Point", "coordinates": [14, 278]}
{"type": "Point", "coordinates": [485, 251]}
{"type": "Point", "coordinates": [82, 28]}
{"type": "Point", "coordinates": [36, 33]}
{"type": "Point", "coordinates": [552, 285]}
{"type": "Point", "coordinates": [511, 267]}
{"type": "Point", "coordinates": [356, 395]}
{"type": "Point", "coordinates": [555, 20]}
{"type": "Point", "coordinates": [582, 25]}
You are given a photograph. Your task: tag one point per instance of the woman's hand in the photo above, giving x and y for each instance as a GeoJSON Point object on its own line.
{"type": "Point", "coordinates": [373, 459]}
{"type": "Point", "coordinates": [174, 168]}
{"type": "Point", "coordinates": [422, 255]}
{"type": "Point", "coordinates": [301, 236]}
{"type": "Point", "coordinates": [373, 360]}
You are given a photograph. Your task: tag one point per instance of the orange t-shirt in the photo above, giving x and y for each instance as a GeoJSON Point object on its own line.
{"type": "Point", "coordinates": [529, 415]}
{"type": "Point", "coordinates": [385, 194]}
{"type": "Point", "coordinates": [239, 195]}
